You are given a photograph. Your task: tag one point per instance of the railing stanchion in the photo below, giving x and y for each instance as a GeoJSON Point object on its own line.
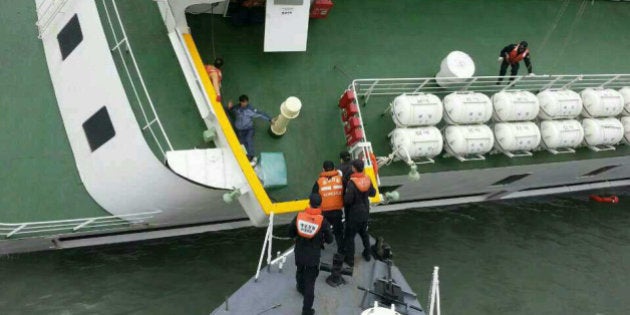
{"type": "Point", "coordinates": [82, 225]}
{"type": "Point", "coordinates": [268, 235]}
{"type": "Point", "coordinates": [270, 243]}
{"type": "Point", "coordinates": [17, 229]}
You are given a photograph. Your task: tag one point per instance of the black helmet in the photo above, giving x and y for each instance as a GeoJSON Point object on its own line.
{"type": "Point", "coordinates": [218, 62]}
{"type": "Point", "coordinates": [523, 44]}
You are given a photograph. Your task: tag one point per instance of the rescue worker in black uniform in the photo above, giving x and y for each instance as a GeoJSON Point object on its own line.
{"type": "Point", "coordinates": [345, 167]}
{"type": "Point", "coordinates": [310, 230]}
{"type": "Point", "coordinates": [357, 206]}
{"type": "Point", "coordinates": [511, 55]}
{"type": "Point", "coordinates": [329, 186]}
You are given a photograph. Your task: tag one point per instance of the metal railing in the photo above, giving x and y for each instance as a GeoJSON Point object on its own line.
{"type": "Point", "coordinates": [121, 40]}
{"type": "Point", "coordinates": [266, 248]}
{"type": "Point", "coordinates": [166, 11]}
{"type": "Point", "coordinates": [8, 230]}
{"type": "Point", "coordinates": [434, 294]}
{"type": "Point", "coordinates": [169, 21]}
{"type": "Point", "coordinates": [365, 88]}
{"type": "Point", "coordinates": [46, 13]}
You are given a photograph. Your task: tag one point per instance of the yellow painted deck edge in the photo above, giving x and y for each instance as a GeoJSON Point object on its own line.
{"type": "Point", "coordinates": [235, 145]}
{"type": "Point", "coordinates": [260, 193]}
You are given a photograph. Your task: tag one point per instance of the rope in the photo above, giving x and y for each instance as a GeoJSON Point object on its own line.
{"type": "Point", "coordinates": [211, 11]}
{"type": "Point", "coordinates": [214, 53]}
{"type": "Point", "coordinates": [282, 238]}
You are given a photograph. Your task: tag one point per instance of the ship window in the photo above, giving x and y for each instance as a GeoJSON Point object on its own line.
{"type": "Point", "coordinates": [99, 129]}
{"type": "Point", "coordinates": [70, 37]}
{"type": "Point", "coordinates": [599, 170]}
{"type": "Point", "coordinates": [511, 179]}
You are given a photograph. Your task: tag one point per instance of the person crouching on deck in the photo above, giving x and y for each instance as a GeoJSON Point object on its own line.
{"type": "Point", "coordinates": [310, 230]}
{"type": "Point", "coordinates": [511, 55]}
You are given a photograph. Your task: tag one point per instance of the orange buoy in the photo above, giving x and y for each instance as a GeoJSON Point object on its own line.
{"type": "Point", "coordinates": [604, 199]}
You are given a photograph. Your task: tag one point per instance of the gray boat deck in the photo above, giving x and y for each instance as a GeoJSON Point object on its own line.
{"type": "Point", "coordinates": [274, 293]}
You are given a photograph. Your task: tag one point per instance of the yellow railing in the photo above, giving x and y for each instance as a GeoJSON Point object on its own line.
{"type": "Point", "coordinates": [261, 195]}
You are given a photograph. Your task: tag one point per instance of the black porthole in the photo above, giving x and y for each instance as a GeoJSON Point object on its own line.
{"type": "Point", "coordinates": [99, 129]}
{"type": "Point", "coordinates": [510, 179]}
{"type": "Point", "coordinates": [599, 170]}
{"type": "Point", "coordinates": [70, 37]}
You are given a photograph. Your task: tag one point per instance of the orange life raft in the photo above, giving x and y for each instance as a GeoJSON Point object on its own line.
{"type": "Point", "coordinates": [604, 199]}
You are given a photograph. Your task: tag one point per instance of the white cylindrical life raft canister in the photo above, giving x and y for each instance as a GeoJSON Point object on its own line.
{"type": "Point", "coordinates": [417, 142]}
{"type": "Point", "coordinates": [561, 133]}
{"type": "Point", "coordinates": [468, 140]}
{"type": "Point", "coordinates": [456, 68]}
{"type": "Point", "coordinates": [601, 102]}
{"type": "Point", "coordinates": [413, 110]}
{"type": "Point", "coordinates": [520, 136]}
{"type": "Point", "coordinates": [602, 131]}
{"type": "Point", "coordinates": [515, 106]}
{"type": "Point", "coordinates": [559, 104]}
{"type": "Point", "coordinates": [466, 108]}
{"type": "Point", "coordinates": [625, 121]}
{"type": "Point", "coordinates": [625, 93]}
{"type": "Point", "coordinates": [379, 310]}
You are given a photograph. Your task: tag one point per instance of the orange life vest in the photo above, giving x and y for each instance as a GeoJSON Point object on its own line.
{"type": "Point", "coordinates": [374, 163]}
{"type": "Point", "coordinates": [331, 189]}
{"type": "Point", "coordinates": [309, 222]}
{"type": "Point", "coordinates": [515, 57]}
{"type": "Point", "coordinates": [361, 181]}
{"type": "Point", "coordinates": [212, 69]}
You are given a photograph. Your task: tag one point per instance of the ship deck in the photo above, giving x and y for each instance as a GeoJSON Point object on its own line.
{"type": "Point", "coordinates": [359, 39]}
{"type": "Point", "coordinates": [367, 39]}
{"type": "Point", "coordinates": [39, 178]}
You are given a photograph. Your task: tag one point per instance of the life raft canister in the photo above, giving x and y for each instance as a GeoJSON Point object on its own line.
{"type": "Point", "coordinates": [604, 199]}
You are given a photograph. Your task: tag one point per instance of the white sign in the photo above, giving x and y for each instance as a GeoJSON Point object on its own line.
{"type": "Point", "coordinates": [286, 25]}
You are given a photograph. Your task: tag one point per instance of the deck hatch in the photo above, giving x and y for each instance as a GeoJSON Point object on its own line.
{"type": "Point", "coordinates": [70, 37]}
{"type": "Point", "coordinates": [510, 179]}
{"type": "Point", "coordinates": [99, 129]}
{"type": "Point", "coordinates": [599, 171]}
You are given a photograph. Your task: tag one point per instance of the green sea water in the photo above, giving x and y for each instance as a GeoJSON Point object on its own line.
{"type": "Point", "coordinates": [552, 255]}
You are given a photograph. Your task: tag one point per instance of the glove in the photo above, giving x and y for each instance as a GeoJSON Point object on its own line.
{"type": "Point", "coordinates": [500, 59]}
{"type": "Point", "coordinates": [219, 98]}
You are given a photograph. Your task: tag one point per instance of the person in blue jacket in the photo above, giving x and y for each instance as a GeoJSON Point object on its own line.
{"type": "Point", "coordinates": [244, 115]}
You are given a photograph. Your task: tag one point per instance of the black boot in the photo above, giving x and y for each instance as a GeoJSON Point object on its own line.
{"type": "Point", "coordinates": [349, 260]}
{"type": "Point", "coordinates": [335, 279]}
{"type": "Point", "coordinates": [308, 312]}
{"type": "Point", "coordinates": [367, 255]}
